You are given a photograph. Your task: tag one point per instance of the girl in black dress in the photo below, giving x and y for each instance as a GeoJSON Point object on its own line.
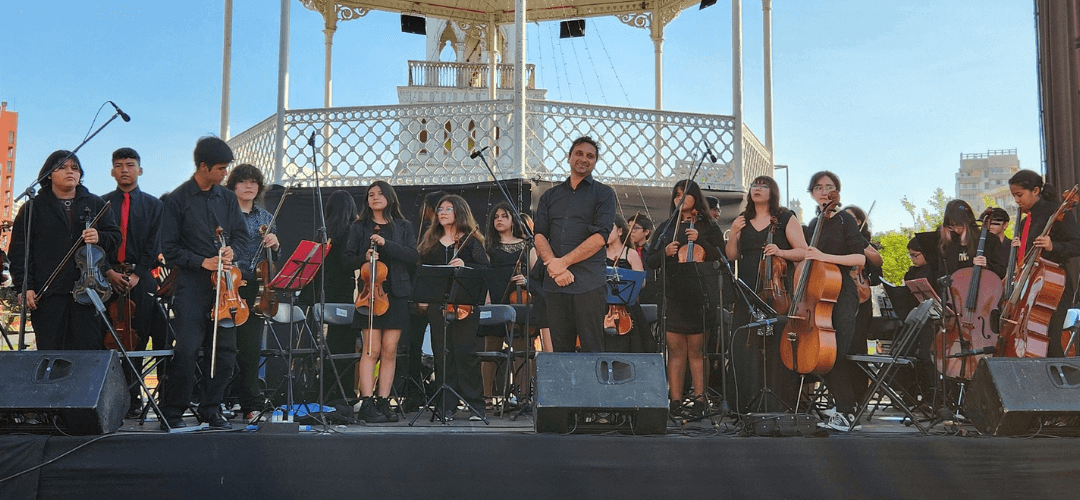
{"type": "Point", "coordinates": [747, 244]}
{"type": "Point", "coordinates": [394, 240]}
{"type": "Point", "coordinates": [506, 249]}
{"type": "Point", "coordinates": [621, 255]}
{"type": "Point", "coordinates": [455, 241]}
{"type": "Point", "coordinates": [960, 242]}
{"type": "Point", "coordinates": [686, 316]}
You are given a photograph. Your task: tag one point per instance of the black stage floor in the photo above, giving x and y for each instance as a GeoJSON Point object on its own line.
{"type": "Point", "coordinates": [507, 460]}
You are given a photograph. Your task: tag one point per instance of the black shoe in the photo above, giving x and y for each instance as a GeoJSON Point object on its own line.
{"type": "Point", "coordinates": [383, 405]}
{"type": "Point", "coordinates": [216, 421]}
{"type": "Point", "coordinates": [135, 409]}
{"type": "Point", "coordinates": [173, 423]}
{"type": "Point", "coordinates": [369, 413]}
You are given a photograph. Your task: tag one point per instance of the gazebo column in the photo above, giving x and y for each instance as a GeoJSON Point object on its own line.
{"type": "Point", "coordinates": [226, 72]}
{"type": "Point", "coordinates": [520, 80]}
{"type": "Point", "coordinates": [656, 28]}
{"type": "Point", "coordinates": [282, 93]}
{"type": "Point", "coordinates": [766, 21]}
{"type": "Point", "coordinates": [737, 87]}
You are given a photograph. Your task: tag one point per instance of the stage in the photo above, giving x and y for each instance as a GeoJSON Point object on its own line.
{"type": "Point", "coordinates": [506, 459]}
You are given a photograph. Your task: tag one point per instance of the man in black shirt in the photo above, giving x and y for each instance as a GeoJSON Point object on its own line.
{"type": "Point", "coordinates": [573, 221]}
{"type": "Point", "coordinates": [139, 216]}
{"type": "Point", "coordinates": [193, 211]}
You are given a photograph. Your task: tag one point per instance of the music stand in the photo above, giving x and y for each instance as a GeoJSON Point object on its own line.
{"type": "Point", "coordinates": [623, 286]}
{"type": "Point", "coordinates": [296, 273]}
{"type": "Point", "coordinates": [443, 285]}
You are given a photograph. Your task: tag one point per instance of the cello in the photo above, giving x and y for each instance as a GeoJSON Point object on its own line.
{"type": "Point", "coordinates": [1025, 315]}
{"type": "Point", "coordinates": [771, 272]}
{"type": "Point", "coordinates": [974, 292]}
{"type": "Point", "coordinates": [811, 338]}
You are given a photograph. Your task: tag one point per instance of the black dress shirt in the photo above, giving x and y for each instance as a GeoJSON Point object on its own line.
{"type": "Point", "coordinates": [1064, 234]}
{"type": "Point", "coordinates": [189, 219]}
{"type": "Point", "coordinates": [144, 221]}
{"type": "Point", "coordinates": [567, 217]}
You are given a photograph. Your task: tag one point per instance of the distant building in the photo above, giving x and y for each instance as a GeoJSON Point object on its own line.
{"type": "Point", "coordinates": [9, 133]}
{"type": "Point", "coordinates": [986, 175]}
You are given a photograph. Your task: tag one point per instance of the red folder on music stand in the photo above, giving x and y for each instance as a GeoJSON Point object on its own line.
{"type": "Point", "coordinates": [301, 267]}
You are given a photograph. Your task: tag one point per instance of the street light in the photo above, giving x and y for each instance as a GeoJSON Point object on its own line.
{"type": "Point", "coordinates": [787, 184]}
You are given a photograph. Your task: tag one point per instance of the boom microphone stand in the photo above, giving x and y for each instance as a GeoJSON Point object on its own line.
{"type": "Point", "coordinates": [30, 194]}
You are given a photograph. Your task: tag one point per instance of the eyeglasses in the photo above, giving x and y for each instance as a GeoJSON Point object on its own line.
{"type": "Point", "coordinates": [997, 223]}
{"type": "Point", "coordinates": [637, 228]}
{"type": "Point", "coordinates": [824, 188]}
{"type": "Point", "coordinates": [444, 210]}
{"type": "Point", "coordinates": [914, 255]}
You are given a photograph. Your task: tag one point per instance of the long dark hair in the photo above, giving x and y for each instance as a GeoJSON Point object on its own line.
{"type": "Point", "coordinates": [959, 213]}
{"type": "Point", "coordinates": [860, 217]}
{"type": "Point", "coordinates": [774, 198]}
{"type": "Point", "coordinates": [1029, 180]}
{"type": "Point", "coordinates": [340, 214]}
{"type": "Point", "coordinates": [493, 234]}
{"type": "Point", "coordinates": [699, 199]}
{"type": "Point", "coordinates": [52, 163]}
{"type": "Point", "coordinates": [392, 211]}
{"type": "Point", "coordinates": [464, 223]}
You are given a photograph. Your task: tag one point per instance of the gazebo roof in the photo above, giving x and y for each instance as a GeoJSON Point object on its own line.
{"type": "Point", "coordinates": [635, 13]}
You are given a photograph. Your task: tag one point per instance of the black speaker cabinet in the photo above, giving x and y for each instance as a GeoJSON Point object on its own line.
{"type": "Point", "coordinates": [75, 392]}
{"type": "Point", "coordinates": [601, 392]}
{"type": "Point", "coordinates": [1015, 396]}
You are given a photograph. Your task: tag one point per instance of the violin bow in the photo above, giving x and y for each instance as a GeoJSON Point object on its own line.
{"type": "Point", "coordinates": [273, 219]}
{"type": "Point", "coordinates": [217, 297]}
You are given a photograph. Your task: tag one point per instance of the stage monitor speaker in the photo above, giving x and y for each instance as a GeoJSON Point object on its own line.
{"type": "Point", "coordinates": [1022, 396]}
{"type": "Point", "coordinates": [413, 24]}
{"type": "Point", "coordinates": [573, 28]}
{"type": "Point", "coordinates": [73, 392]}
{"type": "Point", "coordinates": [601, 392]}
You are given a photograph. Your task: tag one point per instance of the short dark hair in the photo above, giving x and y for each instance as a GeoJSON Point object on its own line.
{"type": "Point", "coordinates": [642, 220]}
{"type": "Point", "coordinates": [212, 151]}
{"type": "Point", "coordinates": [246, 172]}
{"type": "Point", "coordinates": [913, 245]}
{"type": "Point", "coordinates": [587, 140]}
{"type": "Point", "coordinates": [126, 153]}
{"type": "Point", "coordinates": [814, 178]}
{"type": "Point", "coordinates": [714, 202]}
{"type": "Point", "coordinates": [998, 213]}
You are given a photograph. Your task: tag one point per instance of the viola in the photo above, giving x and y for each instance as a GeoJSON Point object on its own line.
{"type": "Point", "coordinates": [71, 253]}
{"type": "Point", "coordinates": [229, 305]}
{"type": "Point", "coordinates": [811, 338]}
{"type": "Point", "coordinates": [92, 265]}
{"type": "Point", "coordinates": [771, 272]}
{"type": "Point", "coordinates": [459, 311]}
{"type": "Point", "coordinates": [974, 293]}
{"type": "Point", "coordinates": [1025, 315]}
{"type": "Point", "coordinates": [691, 252]}
{"type": "Point", "coordinates": [372, 296]}
{"type": "Point", "coordinates": [121, 311]}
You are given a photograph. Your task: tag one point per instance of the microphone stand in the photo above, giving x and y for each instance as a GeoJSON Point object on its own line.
{"type": "Point", "coordinates": [321, 238]}
{"type": "Point", "coordinates": [529, 245]}
{"type": "Point", "coordinates": [30, 194]}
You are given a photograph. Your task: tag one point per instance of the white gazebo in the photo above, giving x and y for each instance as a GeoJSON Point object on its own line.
{"type": "Point", "coordinates": [451, 108]}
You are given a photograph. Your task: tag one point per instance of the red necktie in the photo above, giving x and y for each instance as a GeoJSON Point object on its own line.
{"type": "Point", "coordinates": [120, 254]}
{"type": "Point", "coordinates": [1023, 241]}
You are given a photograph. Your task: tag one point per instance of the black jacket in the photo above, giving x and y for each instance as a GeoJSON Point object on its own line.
{"type": "Point", "coordinates": [52, 236]}
{"type": "Point", "coordinates": [398, 253]}
{"type": "Point", "coordinates": [1064, 234]}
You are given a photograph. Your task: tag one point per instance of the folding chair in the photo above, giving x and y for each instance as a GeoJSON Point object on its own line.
{"type": "Point", "coordinates": [292, 349]}
{"type": "Point", "coordinates": [338, 314]}
{"type": "Point", "coordinates": [500, 315]}
{"type": "Point", "coordinates": [882, 369]}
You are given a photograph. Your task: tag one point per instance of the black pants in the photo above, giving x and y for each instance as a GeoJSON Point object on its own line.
{"type": "Point", "coordinates": [192, 302]}
{"type": "Point", "coordinates": [572, 316]}
{"type": "Point", "coordinates": [148, 322]}
{"type": "Point", "coordinates": [412, 342]}
{"type": "Point", "coordinates": [461, 370]}
{"type": "Point", "coordinates": [61, 323]}
{"type": "Point", "coordinates": [841, 379]}
{"type": "Point", "coordinates": [246, 386]}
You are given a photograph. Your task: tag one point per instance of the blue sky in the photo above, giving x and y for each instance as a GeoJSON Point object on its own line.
{"type": "Point", "coordinates": [886, 94]}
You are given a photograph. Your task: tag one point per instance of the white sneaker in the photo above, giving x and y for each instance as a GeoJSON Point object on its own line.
{"type": "Point", "coordinates": [841, 422]}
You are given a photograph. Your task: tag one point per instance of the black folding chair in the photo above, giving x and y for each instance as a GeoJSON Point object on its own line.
{"type": "Point", "coordinates": [338, 314]}
{"type": "Point", "coordinates": [500, 315]}
{"type": "Point", "coordinates": [882, 368]}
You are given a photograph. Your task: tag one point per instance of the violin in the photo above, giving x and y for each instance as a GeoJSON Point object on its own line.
{"type": "Point", "coordinates": [811, 338]}
{"type": "Point", "coordinates": [974, 293]}
{"type": "Point", "coordinates": [372, 297]}
{"type": "Point", "coordinates": [266, 303]}
{"type": "Point", "coordinates": [461, 311]}
{"type": "Point", "coordinates": [1025, 315]}
{"type": "Point", "coordinates": [617, 319]}
{"type": "Point", "coordinates": [92, 264]}
{"type": "Point", "coordinates": [520, 294]}
{"type": "Point", "coordinates": [857, 274]}
{"type": "Point", "coordinates": [121, 311]}
{"type": "Point", "coordinates": [229, 307]}
{"type": "Point", "coordinates": [691, 252]}
{"type": "Point", "coordinates": [771, 272]}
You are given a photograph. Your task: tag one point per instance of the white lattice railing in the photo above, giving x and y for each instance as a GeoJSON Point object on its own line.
{"type": "Point", "coordinates": [430, 144]}
{"type": "Point", "coordinates": [465, 75]}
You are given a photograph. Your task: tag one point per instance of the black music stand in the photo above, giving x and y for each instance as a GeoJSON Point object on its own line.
{"type": "Point", "coordinates": [443, 285]}
{"type": "Point", "coordinates": [296, 273]}
{"type": "Point", "coordinates": [623, 286]}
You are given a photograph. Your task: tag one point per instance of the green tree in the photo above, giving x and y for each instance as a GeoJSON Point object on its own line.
{"type": "Point", "coordinates": [893, 249]}
{"type": "Point", "coordinates": [930, 218]}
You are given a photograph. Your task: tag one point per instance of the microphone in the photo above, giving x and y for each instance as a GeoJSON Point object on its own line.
{"type": "Point", "coordinates": [780, 321]}
{"type": "Point", "coordinates": [974, 352]}
{"type": "Point", "coordinates": [311, 140]}
{"type": "Point", "coordinates": [478, 152]}
{"type": "Point", "coordinates": [712, 157]}
{"type": "Point", "coordinates": [120, 112]}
